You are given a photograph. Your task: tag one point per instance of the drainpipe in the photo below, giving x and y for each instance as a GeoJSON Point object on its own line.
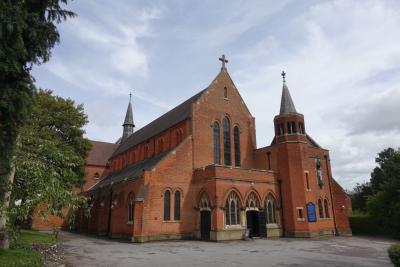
{"type": "Point", "coordinates": [281, 200]}
{"type": "Point", "coordinates": [330, 192]}
{"type": "Point", "coordinates": [109, 213]}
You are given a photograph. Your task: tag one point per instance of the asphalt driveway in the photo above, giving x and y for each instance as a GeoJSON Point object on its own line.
{"type": "Point", "coordinates": [83, 250]}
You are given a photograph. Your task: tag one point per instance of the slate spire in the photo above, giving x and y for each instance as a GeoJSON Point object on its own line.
{"type": "Point", "coordinates": [128, 123]}
{"type": "Point", "coordinates": [287, 106]}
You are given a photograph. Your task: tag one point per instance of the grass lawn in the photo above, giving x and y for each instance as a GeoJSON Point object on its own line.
{"type": "Point", "coordinates": [20, 254]}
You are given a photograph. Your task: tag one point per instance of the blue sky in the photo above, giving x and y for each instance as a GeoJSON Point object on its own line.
{"type": "Point", "coordinates": [342, 62]}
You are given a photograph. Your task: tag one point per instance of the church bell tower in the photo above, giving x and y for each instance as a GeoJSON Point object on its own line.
{"type": "Point", "coordinates": [291, 142]}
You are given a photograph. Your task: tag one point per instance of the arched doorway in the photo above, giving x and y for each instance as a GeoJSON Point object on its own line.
{"type": "Point", "coordinates": [253, 215]}
{"type": "Point", "coordinates": [205, 218]}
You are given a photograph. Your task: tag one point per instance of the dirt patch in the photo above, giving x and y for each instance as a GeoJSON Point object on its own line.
{"type": "Point", "coordinates": [52, 254]}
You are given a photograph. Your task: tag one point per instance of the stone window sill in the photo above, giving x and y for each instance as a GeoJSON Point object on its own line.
{"type": "Point", "coordinates": [233, 227]}
{"type": "Point", "coordinates": [129, 223]}
{"type": "Point", "coordinates": [172, 221]}
{"type": "Point", "coordinates": [301, 219]}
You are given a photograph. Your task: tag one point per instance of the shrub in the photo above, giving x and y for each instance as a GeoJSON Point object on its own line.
{"type": "Point", "coordinates": [394, 254]}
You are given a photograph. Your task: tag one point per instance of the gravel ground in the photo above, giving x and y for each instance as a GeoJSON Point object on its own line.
{"type": "Point", "coordinates": [83, 250]}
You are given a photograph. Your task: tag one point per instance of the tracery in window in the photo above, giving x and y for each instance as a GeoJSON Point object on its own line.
{"type": "Point", "coordinates": [204, 202]}
{"type": "Point", "coordinates": [232, 210]}
{"type": "Point", "coordinates": [252, 201]}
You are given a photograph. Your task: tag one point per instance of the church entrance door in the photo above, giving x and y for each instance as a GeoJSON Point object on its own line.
{"type": "Point", "coordinates": [205, 224]}
{"type": "Point", "coordinates": [252, 219]}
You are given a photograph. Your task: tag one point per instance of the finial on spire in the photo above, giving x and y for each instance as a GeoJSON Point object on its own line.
{"type": "Point", "coordinates": [283, 76]}
{"type": "Point", "coordinates": [223, 60]}
{"type": "Point", "coordinates": [130, 96]}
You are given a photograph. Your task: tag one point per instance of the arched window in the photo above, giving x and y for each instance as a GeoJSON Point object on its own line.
{"type": "Point", "coordinates": [225, 92]}
{"type": "Point", "coordinates": [160, 146]}
{"type": "Point", "coordinates": [131, 207]}
{"type": "Point", "coordinates": [236, 142]}
{"type": "Point", "coordinates": [167, 205]}
{"type": "Point", "coordinates": [307, 181]}
{"type": "Point", "coordinates": [281, 129]}
{"type": "Point", "coordinates": [227, 141]}
{"type": "Point", "coordinates": [252, 201]}
{"type": "Point", "coordinates": [301, 128]}
{"type": "Point", "coordinates": [232, 211]}
{"type": "Point", "coordinates": [320, 179]}
{"type": "Point", "coordinates": [204, 203]}
{"type": "Point", "coordinates": [289, 127]}
{"type": "Point", "coordinates": [294, 130]}
{"type": "Point", "coordinates": [326, 208]}
{"type": "Point", "coordinates": [178, 136]}
{"type": "Point", "coordinates": [177, 206]}
{"type": "Point", "coordinates": [217, 159]}
{"type": "Point", "coordinates": [146, 151]}
{"type": "Point", "coordinates": [270, 209]}
{"type": "Point", "coordinates": [320, 209]}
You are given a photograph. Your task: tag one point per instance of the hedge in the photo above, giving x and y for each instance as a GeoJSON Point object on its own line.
{"type": "Point", "coordinates": [363, 224]}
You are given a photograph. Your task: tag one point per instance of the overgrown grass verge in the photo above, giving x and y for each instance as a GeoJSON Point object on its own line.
{"type": "Point", "coordinates": [21, 254]}
{"type": "Point", "coordinates": [20, 257]}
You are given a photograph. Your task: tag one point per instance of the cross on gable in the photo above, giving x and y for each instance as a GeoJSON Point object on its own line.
{"type": "Point", "coordinates": [223, 60]}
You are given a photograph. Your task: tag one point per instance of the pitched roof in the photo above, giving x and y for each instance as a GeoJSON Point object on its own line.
{"type": "Point", "coordinates": [169, 119]}
{"type": "Point", "coordinates": [130, 172]}
{"type": "Point", "coordinates": [287, 106]}
{"type": "Point", "coordinates": [100, 153]}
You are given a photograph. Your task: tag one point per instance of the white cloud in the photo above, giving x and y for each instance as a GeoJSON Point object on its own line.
{"type": "Point", "coordinates": [341, 45]}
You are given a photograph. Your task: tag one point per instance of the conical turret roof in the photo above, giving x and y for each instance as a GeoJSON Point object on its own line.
{"type": "Point", "coordinates": [287, 106]}
{"type": "Point", "coordinates": [129, 115]}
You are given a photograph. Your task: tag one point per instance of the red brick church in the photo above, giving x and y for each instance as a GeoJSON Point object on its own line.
{"type": "Point", "coordinates": [196, 173]}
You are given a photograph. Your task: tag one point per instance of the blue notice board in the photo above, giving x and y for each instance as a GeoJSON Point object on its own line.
{"type": "Point", "coordinates": [312, 216]}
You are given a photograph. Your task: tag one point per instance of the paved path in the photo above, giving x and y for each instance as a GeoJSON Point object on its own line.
{"type": "Point", "coordinates": [82, 250]}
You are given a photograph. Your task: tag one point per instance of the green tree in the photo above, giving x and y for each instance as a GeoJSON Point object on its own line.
{"type": "Point", "coordinates": [384, 204]}
{"type": "Point", "coordinates": [27, 34]}
{"type": "Point", "coordinates": [51, 156]}
{"type": "Point", "coordinates": [359, 196]}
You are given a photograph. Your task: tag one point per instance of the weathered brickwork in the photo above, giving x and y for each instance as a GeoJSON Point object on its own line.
{"type": "Point", "coordinates": [285, 189]}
